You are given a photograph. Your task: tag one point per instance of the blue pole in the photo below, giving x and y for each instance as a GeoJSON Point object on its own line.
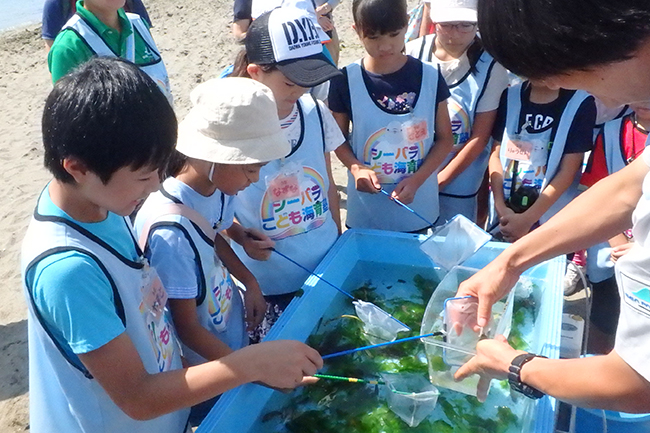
{"type": "Point", "coordinates": [406, 207]}
{"type": "Point", "coordinates": [373, 346]}
{"type": "Point", "coordinates": [337, 288]}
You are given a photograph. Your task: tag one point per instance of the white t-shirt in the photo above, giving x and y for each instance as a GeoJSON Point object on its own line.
{"type": "Point", "coordinates": [333, 135]}
{"type": "Point", "coordinates": [633, 278]}
{"type": "Point", "coordinates": [453, 71]}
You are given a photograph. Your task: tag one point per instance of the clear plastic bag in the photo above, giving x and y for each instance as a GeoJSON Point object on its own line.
{"type": "Point", "coordinates": [460, 239]}
{"type": "Point", "coordinates": [410, 396]}
{"type": "Point", "coordinates": [378, 325]}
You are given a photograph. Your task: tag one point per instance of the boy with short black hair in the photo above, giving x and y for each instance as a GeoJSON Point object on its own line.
{"type": "Point", "coordinates": [103, 353]}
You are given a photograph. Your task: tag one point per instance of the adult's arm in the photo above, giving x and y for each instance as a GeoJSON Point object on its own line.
{"type": "Point", "coordinates": [603, 382]}
{"type": "Point", "coordinates": [595, 216]}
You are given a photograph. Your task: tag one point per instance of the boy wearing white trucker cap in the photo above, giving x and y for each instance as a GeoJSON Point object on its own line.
{"type": "Point", "coordinates": [229, 134]}
{"type": "Point", "coordinates": [301, 221]}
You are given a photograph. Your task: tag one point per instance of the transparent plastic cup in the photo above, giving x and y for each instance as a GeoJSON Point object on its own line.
{"type": "Point", "coordinates": [454, 242]}
{"type": "Point", "coordinates": [457, 343]}
{"type": "Point", "coordinates": [410, 396]}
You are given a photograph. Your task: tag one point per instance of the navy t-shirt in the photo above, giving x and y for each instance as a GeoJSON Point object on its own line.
{"type": "Point", "coordinates": [542, 117]}
{"type": "Point", "coordinates": [242, 10]}
{"type": "Point", "coordinates": [395, 93]}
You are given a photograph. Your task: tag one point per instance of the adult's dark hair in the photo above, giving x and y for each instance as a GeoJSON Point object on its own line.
{"type": "Point", "coordinates": [379, 17]}
{"type": "Point", "coordinates": [108, 114]}
{"type": "Point", "coordinates": [542, 38]}
{"type": "Point", "coordinates": [474, 52]}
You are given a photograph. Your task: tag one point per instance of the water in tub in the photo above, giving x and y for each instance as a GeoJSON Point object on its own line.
{"type": "Point", "coordinates": [334, 406]}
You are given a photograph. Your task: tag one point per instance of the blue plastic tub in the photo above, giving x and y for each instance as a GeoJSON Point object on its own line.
{"type": "Point", "coordinates": [360, 255]}
{"type": "Point", "coordinates": [591, 421]}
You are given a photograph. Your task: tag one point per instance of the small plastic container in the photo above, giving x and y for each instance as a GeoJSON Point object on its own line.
{"type": "Point", "coordinates": [447, 352]}
{"type": "Point", "coordinates": [410, 396]}
{"type": "Point", "coordinates": [454, 242]}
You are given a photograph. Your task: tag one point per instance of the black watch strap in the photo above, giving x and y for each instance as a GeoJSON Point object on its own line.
{"type": "Point", "coordinates": [514, 376]}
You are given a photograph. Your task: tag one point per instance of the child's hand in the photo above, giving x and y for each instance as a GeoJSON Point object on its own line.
{"type": "Point", "coordinates": [406, 189]}
{"type": "Point", "coordinates": [620, 251]}
{"type": "Point", "coordinates": [325, 23]}
{"type": "Point", "coordinates": [365, 179]}
{"type": "Point", "coordinates": [254, 304]}
{"type": "Point", "coordinates": [282, 364]}
{"type": "Point", "coordinates": [257, 245]}
{"type": "Point", "coordinates": [515, 226]}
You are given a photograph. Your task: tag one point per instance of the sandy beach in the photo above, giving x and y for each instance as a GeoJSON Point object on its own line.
{"type": "Point", "coordinates": [196, 44]}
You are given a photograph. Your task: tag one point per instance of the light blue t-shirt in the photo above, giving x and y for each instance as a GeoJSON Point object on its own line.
{"type": "Point", "coordinates": [72, 293]}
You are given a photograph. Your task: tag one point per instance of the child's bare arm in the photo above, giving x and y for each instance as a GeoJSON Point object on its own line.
{"type": "Point", "coordinates": [481, 130]}
{"type": "Point", "coordinates": [254, 302]}
{"type": "Point", "coordinates": [119, 371]}
{"type": "Point", "coordinates": [256, 244]}
{"type": "Point", "coordinates": [406, 189]}
{"type": "Point", "coordinates": [192, 333]}
{"type": "Point", "coordinates": [519, 224]}
{"type": "Point", "coordinates": [365, 178]}
{"type": "Point", "coordinates": [333, 194]}
{"type": "Point", "coordinates": [496, 181]}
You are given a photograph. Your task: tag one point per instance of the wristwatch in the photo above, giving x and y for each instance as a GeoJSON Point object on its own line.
{"type": "Point", "coordinates": [514, 376]}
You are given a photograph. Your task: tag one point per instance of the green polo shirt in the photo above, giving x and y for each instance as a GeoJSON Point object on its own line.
{"type": "Point", "coordinates": [69, 50]}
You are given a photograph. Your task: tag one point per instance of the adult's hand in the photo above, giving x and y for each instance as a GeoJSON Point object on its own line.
{"type": "Point", "coordinates": [492, 361]}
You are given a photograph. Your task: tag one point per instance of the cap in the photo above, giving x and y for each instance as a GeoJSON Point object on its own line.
{"type": "Point", "coordinates": [443, 11]}
{"type": "Point", "coordinates": [288, 38]}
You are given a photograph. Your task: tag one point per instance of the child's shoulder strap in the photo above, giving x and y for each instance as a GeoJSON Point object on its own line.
{"type": "Point", "coordinates": [175, 209]}
{"type": "Point", "coordinates": [320, 120]}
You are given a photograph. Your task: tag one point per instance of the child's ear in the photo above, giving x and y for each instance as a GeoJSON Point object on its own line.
{"type": "Point", "coordinates": [75, 168]}
{"type": "Point", "coordinates": [254, 71]}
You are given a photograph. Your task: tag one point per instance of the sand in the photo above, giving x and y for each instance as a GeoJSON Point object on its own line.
{"type": "Point", "coordinates": [196, 44]}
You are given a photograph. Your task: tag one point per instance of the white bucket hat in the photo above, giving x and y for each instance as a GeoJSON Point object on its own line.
{"type": "Point", "coordinates": [444, 11]}
{"type": "Point", "coordinates": [232, 121]}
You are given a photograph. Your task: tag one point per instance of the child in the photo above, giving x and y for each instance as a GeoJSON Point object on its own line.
{"type": "Point", "coordinates": [102, 28]}
{"type": "Point", "coordinates": [57, 12]}
{"type": "Point", "coordinates": [178, 225]}
{"type": "Point", "coordinates": [476, 83]}
{"type": "Point", "coordinates": [395, 104]}
{"type": "Point", "coordinates": [294, 206]}
{"type": "Point", "coordinates": [540, 137]}
{"type": "Point", "coordinates": [204, 302]}
{"type": "Point", "coordinates": [103, 353]}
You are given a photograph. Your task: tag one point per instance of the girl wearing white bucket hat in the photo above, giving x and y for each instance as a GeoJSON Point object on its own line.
{"type": "Point", "coordinates": [476, 82]}
{"type": "Point", "coordinates": [230, 133]}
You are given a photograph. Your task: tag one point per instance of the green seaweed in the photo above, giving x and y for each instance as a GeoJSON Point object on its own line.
{"type": "Point", "coordinates": [335, 406]}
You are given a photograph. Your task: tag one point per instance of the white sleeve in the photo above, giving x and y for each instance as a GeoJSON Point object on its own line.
{"type": "Point", "coordinates": [496, 85]}
{"type": "Point", "coordinates": [333, 135]}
